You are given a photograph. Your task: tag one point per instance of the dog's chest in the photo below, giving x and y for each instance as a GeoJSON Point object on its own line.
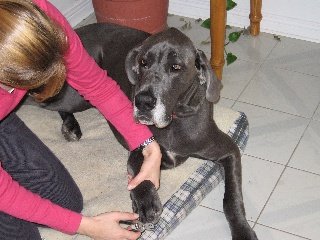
{"type": "Point", "coordinates": [178, 138]}
{"type": "Point", "coordinates": [172, 155]}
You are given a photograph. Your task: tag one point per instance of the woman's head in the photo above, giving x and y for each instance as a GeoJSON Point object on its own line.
{"type": "Point", "coordinates": [31, 49]}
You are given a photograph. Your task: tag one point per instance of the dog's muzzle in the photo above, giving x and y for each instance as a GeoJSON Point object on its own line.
{"type": "Point", "coordinates": [150, 110]}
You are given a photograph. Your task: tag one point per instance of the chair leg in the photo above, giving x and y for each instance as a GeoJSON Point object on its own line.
{"type": "Point", "coordinates": [218, 16]}
{"type": "Point", "coordinates": [255, 16]}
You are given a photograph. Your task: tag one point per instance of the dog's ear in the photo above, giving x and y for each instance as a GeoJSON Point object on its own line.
{"type": "Point", "coordinates": [206, 75]}
{"type": "Point", "coordinates": [132, 64]}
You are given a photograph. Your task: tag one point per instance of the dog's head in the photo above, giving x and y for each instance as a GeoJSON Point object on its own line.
{"type": "Point", "coordinates": [166, 70]}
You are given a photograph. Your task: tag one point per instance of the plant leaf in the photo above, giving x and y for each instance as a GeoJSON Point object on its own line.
{"type": "Point", "coordinates": [234, 36]}
{"type": "Point", "coordinates": [206, 23]}
{"type": "Point", "coordinates": [231, 58]}
{"type": "Point", "coordinates": [230, 4]}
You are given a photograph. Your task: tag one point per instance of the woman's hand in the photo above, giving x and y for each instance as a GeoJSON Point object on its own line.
{"type": "Point", "coordinates": [106, 226]}
{"type": "Point", "coordinates": [150, 169]}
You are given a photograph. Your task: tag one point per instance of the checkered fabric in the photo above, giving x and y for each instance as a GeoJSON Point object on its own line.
{"type": "Point", "coordinates": [197, 186]}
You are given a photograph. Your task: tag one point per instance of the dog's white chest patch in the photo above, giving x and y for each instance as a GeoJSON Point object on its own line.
{"type": "Point", "coordinates": [172, 155]}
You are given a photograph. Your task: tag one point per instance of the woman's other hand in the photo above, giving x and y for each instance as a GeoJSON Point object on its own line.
{"type": "Point", "coordinates": [150, 169]}
{"type": "Point", "coordinates": [106, 226]}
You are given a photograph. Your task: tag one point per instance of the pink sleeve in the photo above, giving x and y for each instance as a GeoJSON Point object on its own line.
{"type": "Point", "coordinates": [21, 203]}
{"type": "Point", "coordinates": [96, 86]}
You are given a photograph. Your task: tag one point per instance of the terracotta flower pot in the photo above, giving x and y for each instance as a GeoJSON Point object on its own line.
{"type": "Point", "coordinates": [146, 15]}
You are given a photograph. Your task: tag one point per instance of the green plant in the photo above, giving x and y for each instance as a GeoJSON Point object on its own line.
{"type": "Point", "coordinates": [232, 37]}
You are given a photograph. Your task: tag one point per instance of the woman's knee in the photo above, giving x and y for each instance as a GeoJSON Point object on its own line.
{"type": "Point", "coordinates": [12, 228]}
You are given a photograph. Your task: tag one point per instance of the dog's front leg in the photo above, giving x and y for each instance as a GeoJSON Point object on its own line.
{"type": "Point", "coordinates": [70, 128]}
{"type": "Point", "coordinates": [233, 201]}
{"type": "Point", "coordinates": [145, 198]}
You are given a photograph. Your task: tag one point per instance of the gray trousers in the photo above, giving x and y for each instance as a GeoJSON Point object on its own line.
{"type": "Point", "coordinates": [25, 157]}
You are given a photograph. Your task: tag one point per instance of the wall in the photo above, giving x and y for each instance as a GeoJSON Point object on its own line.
{"type": "Point", "coordinates": [292, 18]}
{"type": "Point", "coordinates": [74, 10]}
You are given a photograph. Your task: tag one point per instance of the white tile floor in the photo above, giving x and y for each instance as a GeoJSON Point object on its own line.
{"type": "Point", "coordinates": [277, 85]}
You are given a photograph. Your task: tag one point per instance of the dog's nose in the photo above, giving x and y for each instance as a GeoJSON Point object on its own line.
{"type": "Point", "coordinates": [145, 101]}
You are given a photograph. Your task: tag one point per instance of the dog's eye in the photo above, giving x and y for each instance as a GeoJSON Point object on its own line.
{"type": "Point", "coordinates": [143, 63]}
{"type": "Point", "coordinates": [176, 67]}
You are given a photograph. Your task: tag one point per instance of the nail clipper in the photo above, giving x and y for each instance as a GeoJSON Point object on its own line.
{"type": "Point", "coordinates": [138, 226]}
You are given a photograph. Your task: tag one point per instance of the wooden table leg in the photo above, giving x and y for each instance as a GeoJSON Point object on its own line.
{"type": "Point", "coordinates": [218, 16]}
{"type": "Point", "coordinates": [255, 16]}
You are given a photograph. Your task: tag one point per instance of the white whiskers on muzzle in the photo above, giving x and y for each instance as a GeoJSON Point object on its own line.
{"type": "Point", "coordinates": [156, 116]}
{"type": "Point", "coordinates": [141, 118]}
{"type": "Point", "coordinates": [160, 117]}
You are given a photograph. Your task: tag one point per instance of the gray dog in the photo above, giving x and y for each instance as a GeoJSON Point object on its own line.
{"type": "Point", "coordinates": [173, 88]}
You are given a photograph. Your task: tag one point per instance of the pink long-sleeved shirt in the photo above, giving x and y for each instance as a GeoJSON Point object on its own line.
{"type": "Point", "coordinates": [93, 83]}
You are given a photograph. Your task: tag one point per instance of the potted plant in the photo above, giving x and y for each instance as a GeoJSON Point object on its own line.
{"type": "Point", "coordinates": [147, 15]}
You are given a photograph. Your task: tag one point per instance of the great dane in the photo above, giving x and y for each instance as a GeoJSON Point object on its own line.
{"type": "Point", "coordinates": [173, 88]}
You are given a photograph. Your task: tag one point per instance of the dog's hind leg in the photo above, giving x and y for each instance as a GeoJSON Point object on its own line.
{"type": "Point", "coordinates": [233, 200]}
{"type": "Point", "coordinates": [145, 198]}
{"type": "Point", "coordinates": [70, 128]}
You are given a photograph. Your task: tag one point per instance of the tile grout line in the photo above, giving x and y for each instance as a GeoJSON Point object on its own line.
{"type": "Point", "coordinates": [260, 224]}
{"type": "Point", "coordinates": [275, 110]}
{"type": "Point", "coordinates": [285, 165]}
{"type": "Point", "coordinates": [285, 168]}
{"type": "Point", "coordinates": [281, 164]}
{"type": "Point", "coordinates": [284, 231]}
{"type": "Point", "coordinates": [246, 86]}
{"type": "Point", "coordinates": [290, 70]}
{"type": "Point", "coordinates": [256, 73]}
{"type": "Point", "coordinates": [264, 206]}
{"type": "Point", "coordinates": [314, 112]}
{"type": "Point", "coordinates": [305, 171]}
{"type": "Point", "coordinates": [263, 159]}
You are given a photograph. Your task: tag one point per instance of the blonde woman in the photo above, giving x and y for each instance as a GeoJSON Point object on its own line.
{"type": "Point", "coordinates": [39, 49]}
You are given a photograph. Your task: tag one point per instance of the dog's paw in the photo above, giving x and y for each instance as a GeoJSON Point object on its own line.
{"type": "Point", "coordinates": [71, 131]}
{"type": "Point", "coordinates": [146, 202]}
{"type": "Point", "coordinates": [244, 233]}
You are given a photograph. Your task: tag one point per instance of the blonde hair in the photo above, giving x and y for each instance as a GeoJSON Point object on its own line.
{"type": "Point", "coordinates": [31, 49]}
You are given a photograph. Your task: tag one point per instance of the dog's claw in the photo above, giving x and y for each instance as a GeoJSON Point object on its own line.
{"type": "Point", "coordinates": [136, 225]}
